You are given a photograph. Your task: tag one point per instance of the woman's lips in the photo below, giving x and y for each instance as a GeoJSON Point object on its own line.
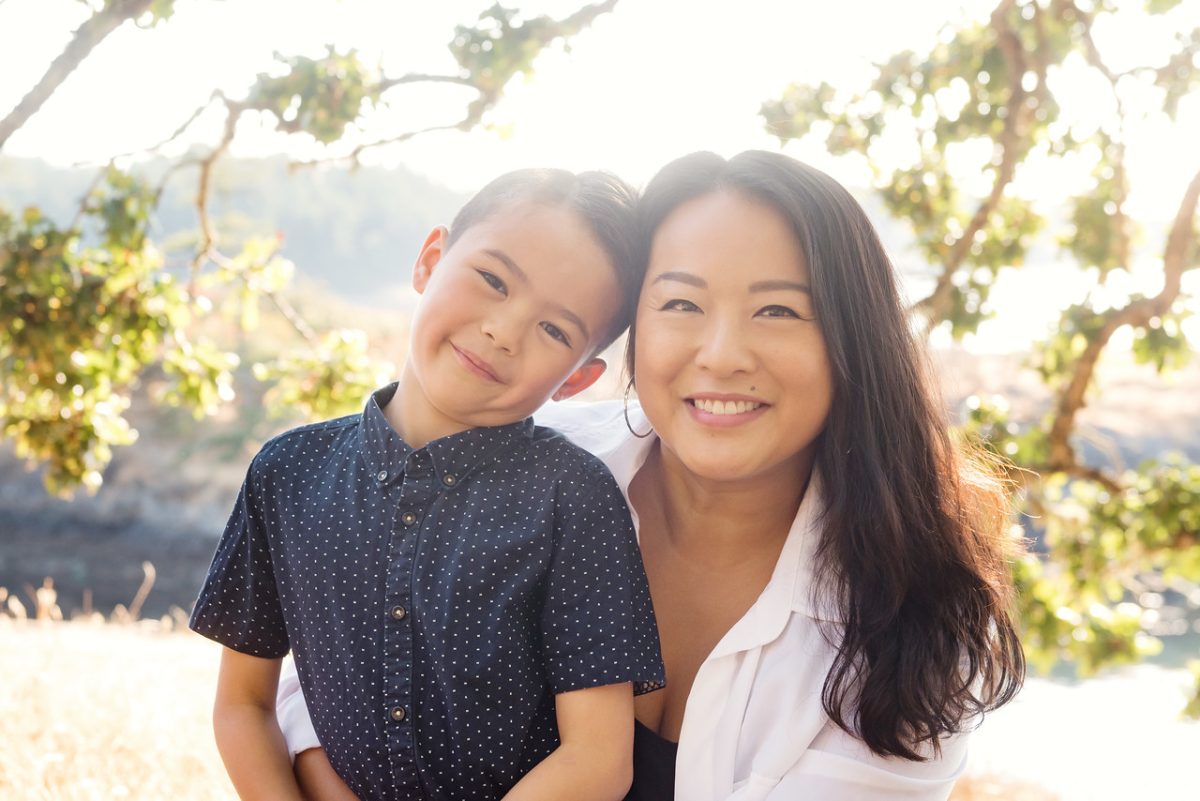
{"type": "Point", "coordinates": [475, 364]}
{"type": "Point", "coordinates": [725, 410]}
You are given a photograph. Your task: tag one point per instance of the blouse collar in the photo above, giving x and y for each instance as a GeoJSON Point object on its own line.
{"type": "Point", "coordinates": [601, 429]}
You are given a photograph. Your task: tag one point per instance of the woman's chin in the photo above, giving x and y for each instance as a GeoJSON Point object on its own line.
{"type": "Point", "coordinates": [708, 465]}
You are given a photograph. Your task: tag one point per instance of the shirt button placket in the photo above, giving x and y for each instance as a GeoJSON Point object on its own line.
{"type": "Point", "coordinates": [414, 494]}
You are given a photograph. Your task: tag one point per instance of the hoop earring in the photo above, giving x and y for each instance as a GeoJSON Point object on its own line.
{"type": "Point", "coordinates": [629, 425]}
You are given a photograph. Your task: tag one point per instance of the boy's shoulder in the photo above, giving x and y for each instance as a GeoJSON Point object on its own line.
{"type": "Point", "coordinates": [550, 449]}
{"type": "Point", "coordinates": [310, 439]}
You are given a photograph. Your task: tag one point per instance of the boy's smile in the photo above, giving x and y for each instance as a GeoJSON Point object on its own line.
{"type": "Point", "coordinates": [475, 364]}
{"type": "Point", "coordinates": [510, 316]}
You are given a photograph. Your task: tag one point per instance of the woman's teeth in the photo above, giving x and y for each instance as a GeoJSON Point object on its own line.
{"type": "Point", "coordinates": [725, 407]}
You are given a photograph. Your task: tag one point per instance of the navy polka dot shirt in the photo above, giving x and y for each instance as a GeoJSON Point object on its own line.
{"type": "Point", "coordinates": [435, 599]}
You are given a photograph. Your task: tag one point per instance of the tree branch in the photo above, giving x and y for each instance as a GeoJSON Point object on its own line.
{"type": "Point", "coordinates": [1136, 313]}
{"type": "Point", "coordinates": [1032, 474]}
{"type": "Point", "coordinates": [289, 313]}
{"type": "Point", "coordinates": [934, 306]}
{"type": "Point", "coordinates": [207, 234]}
{"type": "Point", "coordinates": [216, 95]}
{"type": "Point", "coordinates": [86, 37]}
{"type": "Point", "coordinates": [418, 77]}
{"type": "Point", "coordinates": [464, 124]}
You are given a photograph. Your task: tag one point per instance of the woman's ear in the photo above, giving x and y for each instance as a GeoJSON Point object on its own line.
{"type": "Point", "coordinates": [431, 253]}
{"type": "Point", "coordinates": [581, 379]}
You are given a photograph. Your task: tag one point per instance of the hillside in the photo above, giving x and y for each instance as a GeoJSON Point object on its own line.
{"type": "Point", "coordinates": [357, 231]}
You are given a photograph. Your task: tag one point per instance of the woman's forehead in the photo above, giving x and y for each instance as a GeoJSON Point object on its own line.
{"type": "Point", "coordinates": [730, 232]}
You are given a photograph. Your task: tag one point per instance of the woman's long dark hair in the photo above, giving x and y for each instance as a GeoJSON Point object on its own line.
{"type": "Point", "coordinates": [914, 545]}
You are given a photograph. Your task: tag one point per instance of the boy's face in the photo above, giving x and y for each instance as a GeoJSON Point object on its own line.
{"type": "Point", "coordinates": [509, 317]}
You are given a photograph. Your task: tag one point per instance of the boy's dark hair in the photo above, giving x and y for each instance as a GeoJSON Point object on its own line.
{"type": "Point", "coordinates": [604, 201]}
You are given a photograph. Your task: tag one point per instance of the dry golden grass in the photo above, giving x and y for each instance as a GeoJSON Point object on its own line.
{"type": "Point", "coordinates": [97, 711]}
{"type": "Point", "coordinates": [94, 711]}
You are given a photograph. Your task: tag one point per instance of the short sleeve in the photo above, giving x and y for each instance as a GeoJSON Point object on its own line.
{"type": "Point", "coordinates": [598, 625]}
{"type": "Point", "coordinates": [239, 605]}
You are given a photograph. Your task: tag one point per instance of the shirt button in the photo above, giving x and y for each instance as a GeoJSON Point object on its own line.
{"type": "Point", "coordinates": [398, 612]}
{"type": "Point", "coordinates": [381, 475]}
{"type": "Point", "coordinates": [408, 518]}
{"type": "Point", "coordinates": [449, 480]}
{"type": "Point", "coordinates": [398, 713]}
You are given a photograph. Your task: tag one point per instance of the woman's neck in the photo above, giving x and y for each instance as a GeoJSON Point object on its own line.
{"type": "Point", "coordinates": [719, 521]}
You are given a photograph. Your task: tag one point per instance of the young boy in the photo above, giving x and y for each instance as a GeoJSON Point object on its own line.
{"type": "Point", "coordinates": [461, 590]}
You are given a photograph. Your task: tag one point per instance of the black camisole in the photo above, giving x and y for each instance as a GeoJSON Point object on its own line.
{"type": "Point", "coordinates": [653, 766]}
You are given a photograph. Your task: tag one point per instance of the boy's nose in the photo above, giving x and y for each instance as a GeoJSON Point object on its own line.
{"type": "Point", "coordinates": [501, 334]}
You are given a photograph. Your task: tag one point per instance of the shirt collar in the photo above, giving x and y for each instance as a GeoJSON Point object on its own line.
{"type": "Point", "coordinates": [452, 458]}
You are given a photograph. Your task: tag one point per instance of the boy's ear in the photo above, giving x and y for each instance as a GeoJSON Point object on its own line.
{"type": "Point", "coordinates": [431, 253]}
{"type": "Point", "coordinates": [581, 379]}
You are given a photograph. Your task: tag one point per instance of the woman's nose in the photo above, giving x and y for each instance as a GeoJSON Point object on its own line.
{"type": "Point", "coordinates": [725, 348]}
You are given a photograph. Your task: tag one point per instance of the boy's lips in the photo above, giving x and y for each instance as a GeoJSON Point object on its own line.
{"type": "Point", "coordinates": [475, 364]}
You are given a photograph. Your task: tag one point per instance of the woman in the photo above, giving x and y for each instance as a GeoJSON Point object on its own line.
{"type": "Point", "coordinates": [828, 570]}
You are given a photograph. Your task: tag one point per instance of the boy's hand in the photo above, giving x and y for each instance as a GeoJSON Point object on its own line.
{"type": "Point", "coordinates": [595, 758]}
{"type": "Point", "coordinates": [248, 736]}
{"type": "Point", "coordinates": [317, 778]}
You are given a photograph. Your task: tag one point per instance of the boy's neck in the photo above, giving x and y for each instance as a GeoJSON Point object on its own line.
{"type": "Point", "coordinates": [410, 414]}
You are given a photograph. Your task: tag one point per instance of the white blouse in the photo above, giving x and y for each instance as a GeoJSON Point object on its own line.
{"type": "Point", "coordinates": [754, 728]}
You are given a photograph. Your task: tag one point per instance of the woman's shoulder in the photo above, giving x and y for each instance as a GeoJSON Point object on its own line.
{"type": "Point", "coordinates": [596, 426]}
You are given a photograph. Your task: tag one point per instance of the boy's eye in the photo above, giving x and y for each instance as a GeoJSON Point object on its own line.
{"type": "Point", "coordinates": [780, 311]}
{"type": "Point", "coordinates": [679, 304]}
{"type": "Point", "coordinates": [557, 333]}
{"type": "Point", "coordinates": [493, 281]}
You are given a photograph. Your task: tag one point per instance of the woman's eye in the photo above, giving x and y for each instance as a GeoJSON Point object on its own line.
{"type": "Point", "coordinates": [780, 311]}
{"type": "Point", "coordinates": [679, 304]}
{"type": "Point", "coordinates": [493, 281]}
{"type": "Point", "coordinates": [557, 333]}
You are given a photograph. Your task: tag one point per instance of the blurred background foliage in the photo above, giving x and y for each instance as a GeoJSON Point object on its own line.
{"type": "Point", "coordinates": [90, 309]}
{"type": "Point", "coordinates": [1104, 528]}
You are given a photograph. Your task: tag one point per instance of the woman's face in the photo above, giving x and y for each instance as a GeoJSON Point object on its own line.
{"type": "Point", "coordinates": [730, 362]}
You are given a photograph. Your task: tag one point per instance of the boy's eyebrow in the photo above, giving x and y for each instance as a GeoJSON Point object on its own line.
{"type": "Point", "coordinates": [501, 256]}
{"type": "Point", "coordinates": [575, 319]}
{"type": "Point", "coordinates": [571, 316]}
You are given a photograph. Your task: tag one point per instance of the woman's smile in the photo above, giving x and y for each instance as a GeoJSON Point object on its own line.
{"type": "Point", "coordinates": [723, 410]}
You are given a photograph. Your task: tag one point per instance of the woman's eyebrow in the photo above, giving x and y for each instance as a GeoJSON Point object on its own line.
{"type": "Point", "coordinates": [681, 277]}
{"type": "Point", "coordinates": [777, 284]}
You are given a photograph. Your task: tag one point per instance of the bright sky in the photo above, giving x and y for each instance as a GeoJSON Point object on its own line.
{"type": "Point", "coordinates": [651, 81]}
